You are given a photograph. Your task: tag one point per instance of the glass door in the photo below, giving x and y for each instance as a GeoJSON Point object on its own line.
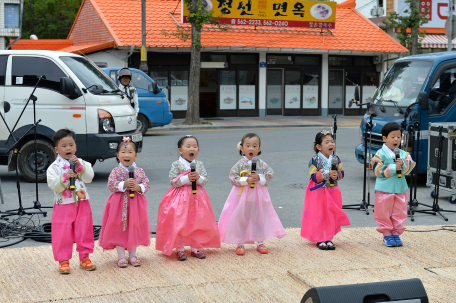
{"type": "Point", "coordinates": [274, 91]}
{"type": "Point", "coordinates": [336, 92]}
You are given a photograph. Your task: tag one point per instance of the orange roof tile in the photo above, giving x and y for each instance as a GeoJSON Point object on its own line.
{"type": "Point", "coordinates": [353, 31]}
{"type": "Point", "coordinates": [63, 45]}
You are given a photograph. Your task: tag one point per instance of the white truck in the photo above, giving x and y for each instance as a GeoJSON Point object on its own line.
{"type": "Point", "coordinates": [74, 94]}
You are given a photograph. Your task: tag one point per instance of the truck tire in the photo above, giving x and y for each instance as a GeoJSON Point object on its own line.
{"type": "Point", "coordinates": [46, 155]}
{"type": "Point", "coordinates": [142, 124]}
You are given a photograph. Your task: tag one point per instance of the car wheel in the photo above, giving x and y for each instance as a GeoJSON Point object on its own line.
{"type": "Point", "coordinates": [142, 124]}
{"type": "Point", "coordinates": [45, 156]}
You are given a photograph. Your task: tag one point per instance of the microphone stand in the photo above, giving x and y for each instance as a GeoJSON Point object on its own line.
{"type": "Point", "coordinates": [365, 205]}
{"type": "Point", "coordinates": [334, 128]}
{"type": "Point", "coordinates": [411, 130]}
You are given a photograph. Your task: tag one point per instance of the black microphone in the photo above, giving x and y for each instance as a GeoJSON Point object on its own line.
{"type": "Point", "coordinates": [334, 163]}
{"type": "Point", "coordinates": [254, 162]}
{"type": "Point", "coordinates": [397, 152]}
{"type": "Point", "coordinates": [72, 186]}
{"type": "Point", "coordinates": [192, 169]}
{"type": "Point", "coordinates": [131, 171]}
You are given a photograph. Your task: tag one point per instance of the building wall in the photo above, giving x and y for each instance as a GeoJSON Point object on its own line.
{"type": "Point", "coordinates": [7, 32]}
{"type": "Point", "coordinates": [89, 28]}
{"type": "Point", "coordinates": [110, 57]}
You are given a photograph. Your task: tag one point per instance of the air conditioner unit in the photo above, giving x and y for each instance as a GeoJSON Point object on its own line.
{"type": "Point", "coordinates": [377, 59]}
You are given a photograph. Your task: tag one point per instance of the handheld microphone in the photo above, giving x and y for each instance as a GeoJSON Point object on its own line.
{"type": "Point", "coordinates": [254, 163]}
{"type": "Point", "coordinates": [334, 163]}
{"type": "Point", "coordinates": [72, 186]}
{"type": "Point", "coordinates": [131, 171]}
{"type": "Point", "coordinates": [192, 169]}
{"type": "Point", "coordinates": [397, 152]}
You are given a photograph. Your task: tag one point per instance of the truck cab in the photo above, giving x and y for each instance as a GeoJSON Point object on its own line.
{"type": "Point", "coordinates": [74, 94]}
{"type": "Point", "coordinates": [153, 104]}
{"type": "Point", "coordinates": [423, 86]}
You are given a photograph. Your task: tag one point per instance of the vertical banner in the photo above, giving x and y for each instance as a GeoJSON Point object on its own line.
{"type": "Point", "coordinates": [274, 96]}
{"type": "Point", "coordinates": [179, 97]}
{"type": "Point", "coordinates": [227, 96]}
{"type": "Point", "coordinates": [246, 96]}
{"type": "Point", "coordinates": [292, 96]}
{"type": "Point", "coordinates": [310, 96]}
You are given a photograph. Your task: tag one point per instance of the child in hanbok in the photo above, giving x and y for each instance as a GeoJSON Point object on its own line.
{"type": "Point", "coordinates": [248, 215]}
{"type": "Point", "coordinates": [323, 216]}
{"type": "Point", "coordinates": [186, 218]}
{"type": "Point", "coordinates": [125, 224]}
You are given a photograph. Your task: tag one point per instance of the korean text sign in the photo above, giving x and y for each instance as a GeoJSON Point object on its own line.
{"type": "Point", "coordinates": [283, 13]}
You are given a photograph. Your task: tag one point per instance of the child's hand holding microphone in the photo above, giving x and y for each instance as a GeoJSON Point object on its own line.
{"type": "Point", "coordinates": [130, 184]}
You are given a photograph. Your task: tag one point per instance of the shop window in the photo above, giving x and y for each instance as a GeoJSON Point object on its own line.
{"type": "Point", "coordinates": [227, 90]}
{"type": "Point", "coordinates": [310, 91]}
{"type": "Point", "coordinates": [243, 59]}
{"type": "Point", "coordinates": [213, 58]}
{"type": "Point", "coordinates": [161, 77]}
{"type": "Point", "coordinates": [162, 59]}
{"type": "Point", "coordinates": [369, 87]}
{"type": "Point", "coordinates": [341, 61]}
{"type": "Point", "coordinates": [363, 61]}
{"type": "Point", "coordinates": [26, 71]}
{"type": "Point", "coordinates": [352, 79]}
{"type": "Point", "coordinates": [247, 89]}
{"type": "Point", "coordinates": [292, 89]}
{"type": "Point", "coordinates": [284, 60]}
{"type": "Point", "coordinates": [179, 90]}
{"type": "Point", "coordinates": [307, 60]}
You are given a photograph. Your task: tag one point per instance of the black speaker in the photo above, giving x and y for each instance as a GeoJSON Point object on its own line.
{"type": "Point", "coordinates": [400, 291]}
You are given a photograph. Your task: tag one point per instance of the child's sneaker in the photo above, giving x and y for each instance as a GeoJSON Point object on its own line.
{"type": "Point", "coordinates": [198, 254]}
{"type": "Point", "coordinates": [240, 250]}
{"type": "Point", "coordinates": [389, 241]}
{"type": "Point", "coordinates": [64, 267]}
{"type": "Point", "coordinates": [86, 264]}
{"type": "Point", "coordinates": [398, 240]}
{"type": "Point", "coordinates": [262, 249]}
{"type": "Point", "coordinates": [181, 256]}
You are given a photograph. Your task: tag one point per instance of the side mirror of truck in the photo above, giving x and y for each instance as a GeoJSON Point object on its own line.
{"type": "Point", "coordinates": [153, 87]}
{"type": "Point", "coordinates": [67, 88]}
{"type": "Point", "coordinates": [423, 101]}
{"type": "Point", "coordinates": [357, 93]}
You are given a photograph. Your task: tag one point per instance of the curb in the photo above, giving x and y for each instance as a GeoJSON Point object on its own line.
{"type": "Point", "coordinates": [212, 127]}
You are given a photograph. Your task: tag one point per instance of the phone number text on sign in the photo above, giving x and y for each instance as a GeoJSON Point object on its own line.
{"type": "Point", "coordinates": [266, 22]}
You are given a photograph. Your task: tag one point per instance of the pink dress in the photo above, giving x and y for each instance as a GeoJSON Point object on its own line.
{"type": "Point", "coordinates": [184, 218]}
{"type": "Point", "coordinates": [322, 216]}
{"type": "Point", "coordinates": [248, 215]}
{"type": "Point", "coordinates": [125, 220]}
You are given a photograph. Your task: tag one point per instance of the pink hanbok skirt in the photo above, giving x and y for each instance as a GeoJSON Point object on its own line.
{"type": "Point", "coordinates": [185, 219]}
{"type": "Point", "coordinates": [323, 215]}
{"type": "Point", "coordinates": [249, 217]}
{"type": "Point", "coordinates": [138, 228]}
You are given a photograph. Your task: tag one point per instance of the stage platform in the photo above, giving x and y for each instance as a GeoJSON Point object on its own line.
{"type": "Point", "coordinates": [293, 266]}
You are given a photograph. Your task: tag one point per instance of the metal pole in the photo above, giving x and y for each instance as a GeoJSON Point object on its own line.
{"type": "Point", "coordinates": [450, 27]}
{"type": "Point", "coordinates": [143, 66]}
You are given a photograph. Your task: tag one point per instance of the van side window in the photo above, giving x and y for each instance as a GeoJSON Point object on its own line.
{"type": "Point", "coordinates": [139, 81]}
{"type": "Point", "coordinates": [26, 71]}
{"type": "Point", "coordinates": [443, 92]}
{"type": "Point", "coordinates": [3, 62]}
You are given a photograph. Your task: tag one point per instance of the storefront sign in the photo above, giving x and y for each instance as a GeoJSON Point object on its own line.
{"type": "Point", "coordinates": [310, 96]}
{"type": "Point", "coordinates": [179, 97]}
{"type": "Point", "coordinates": [437, 15]}
{"type": "Point", "coordinates": [227, 96]}
{"type": "Point", "coordinates": [292, 96]}
{"type": "Point", "coordinates": [283, 13]}
{"type": "Point", "coordinates": [262, 64]}
{"type": "Point", "coordinates": [246, 96]}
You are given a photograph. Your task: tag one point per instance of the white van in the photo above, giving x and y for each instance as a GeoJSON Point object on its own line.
{"type": "Point", "coordinates": [75, 94]}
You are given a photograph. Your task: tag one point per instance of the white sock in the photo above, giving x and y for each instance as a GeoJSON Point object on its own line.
{"type": "Point", "coordinates": [259, 243]}
{"type": "Point", "coordinates": [181, 248]}
{"type": "Point", "coordinates": [194, 249]}
{"type": "Point", "coordinates": [120, 251]}
{"type": "Point", "coordinates": [131, 253]}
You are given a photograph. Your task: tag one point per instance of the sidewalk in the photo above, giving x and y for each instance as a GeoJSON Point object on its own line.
{"type": "Point", "coordinates": [255, 122]}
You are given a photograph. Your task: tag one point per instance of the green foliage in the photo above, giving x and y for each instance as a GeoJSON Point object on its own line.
{"type": "Point", "coordinates": [198, 16]}
{"type": "Point", "coordinates": [49, 19]}
{"type": "Point", "coordinates": [413, 19]}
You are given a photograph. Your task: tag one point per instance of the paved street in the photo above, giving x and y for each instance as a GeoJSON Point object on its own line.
{"type": "Point", "coordinates": [287, 149]}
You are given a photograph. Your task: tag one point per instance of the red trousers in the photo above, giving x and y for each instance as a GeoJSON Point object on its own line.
{"type": "Point", "coordinates": [390, 212]}
{"type": "Point", "coordinates": [70, 224]}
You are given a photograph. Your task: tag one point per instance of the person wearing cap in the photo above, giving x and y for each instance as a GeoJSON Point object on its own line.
{"type": "Point", "coordinates": [124, 76]}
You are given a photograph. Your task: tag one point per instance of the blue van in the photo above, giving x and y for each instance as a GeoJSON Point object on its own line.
{"type": "Point", "coordinates": [422, 84]}
{"type": "Point", "coordinates": [153, 104]}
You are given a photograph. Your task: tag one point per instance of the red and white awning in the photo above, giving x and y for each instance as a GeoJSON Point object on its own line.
{"type": "Point", "coordinates": [436, 41]}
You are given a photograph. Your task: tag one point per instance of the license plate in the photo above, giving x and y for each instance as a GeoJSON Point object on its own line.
{"type": "Point", "coordinates": [136, 137]}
